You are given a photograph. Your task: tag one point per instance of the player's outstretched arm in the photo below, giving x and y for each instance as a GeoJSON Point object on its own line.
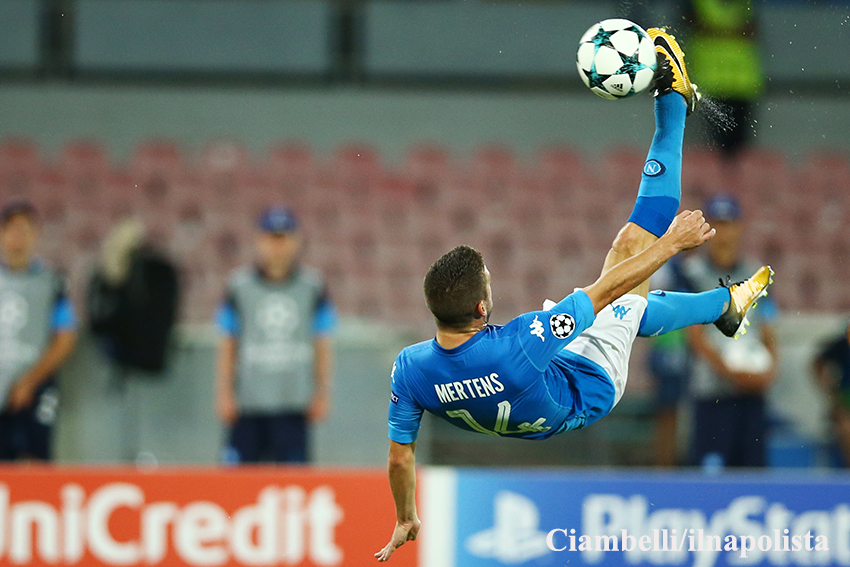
{"type": "Point", "coordinates": [401, 466]}
{"type": "Point", "coordinates": [688, 230]}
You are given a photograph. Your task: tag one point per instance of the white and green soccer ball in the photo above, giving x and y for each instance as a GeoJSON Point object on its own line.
{"type": "Point", "coordinates": [616, 59]}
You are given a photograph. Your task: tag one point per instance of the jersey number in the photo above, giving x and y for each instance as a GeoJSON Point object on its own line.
{"type": "Point", "coordinates": [502, 419]}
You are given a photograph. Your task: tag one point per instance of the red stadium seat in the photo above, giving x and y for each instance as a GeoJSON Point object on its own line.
{"type": "Point", "coordinates": [427, 161]}
{"type": "Point", "coordinates": [356, 159]}
{"type": "Point", "coordinates": [85, 157]}
{"type": "Point", "coordinates": [19, 154]}
{"type": "Point", "coordinates": [223, 156]}
{"type": "Point", "coordinates": [494, 159]}
{"type": "Point", "coordinates": [559, 170]}
{"type": "Point", "coordinates": [620, 173]}
{"type": "Point", "coordinates": [705, 173]}
{"type": "Point", "coordinates": [157, 156]}
{"type": "Point", "coordinates": [290, 166]}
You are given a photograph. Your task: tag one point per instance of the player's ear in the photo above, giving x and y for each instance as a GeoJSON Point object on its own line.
{"type": "Point", "coordinates": [481, 310]}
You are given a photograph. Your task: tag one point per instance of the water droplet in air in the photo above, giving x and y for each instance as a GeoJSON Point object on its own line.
{"type": "Point", "coordinates": [718, 114]}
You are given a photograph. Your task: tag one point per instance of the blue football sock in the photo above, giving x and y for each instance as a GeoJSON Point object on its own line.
{"type": "Point", "coordinates": [661, 183]}
{"type": "Point", "coordinates": [669, 310]}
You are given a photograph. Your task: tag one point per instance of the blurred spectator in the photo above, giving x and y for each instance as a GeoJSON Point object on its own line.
{"type": "Point", "coordinates": [723, 55]}
{"type": "Point", "coordinates": [37, 333]}
{"type": "Point", "coordinates": [133, 298]}
{"type": "Point", "coordinates": [730, 377]}
{"type": "Point", "coordinates": [832, 372]}
{"type": "Point", "coordinates": [274, 368]}
{"type": "Point", "coordinates": [669, 367]}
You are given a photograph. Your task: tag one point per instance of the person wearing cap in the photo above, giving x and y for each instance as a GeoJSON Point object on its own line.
{"type": "Point", "coordinates": [37, 334]}
{"type": "Point", "coordinates": [730, 378]}
{"type": "Point", "coordinates": [275, 359]}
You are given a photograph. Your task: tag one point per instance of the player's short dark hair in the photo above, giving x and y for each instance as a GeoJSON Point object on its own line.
{"type": "Point", "coordinates": [454, 285]}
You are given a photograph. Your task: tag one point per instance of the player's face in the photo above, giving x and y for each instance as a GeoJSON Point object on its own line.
{"type": "Point", "coordinates": [17, 238]}
{"type": "Point", "coordinates": [277, 251]}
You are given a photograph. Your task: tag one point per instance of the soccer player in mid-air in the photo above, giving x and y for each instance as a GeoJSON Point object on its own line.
{"type": "Point", "coordinates": [566, 366]}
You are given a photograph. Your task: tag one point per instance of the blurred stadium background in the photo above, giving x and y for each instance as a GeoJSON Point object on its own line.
{"type": "Point", "coordinates": [397, 129]}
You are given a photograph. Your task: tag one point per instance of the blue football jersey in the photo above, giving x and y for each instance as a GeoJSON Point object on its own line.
{"type": "Point", "coordinates": [514, 380]}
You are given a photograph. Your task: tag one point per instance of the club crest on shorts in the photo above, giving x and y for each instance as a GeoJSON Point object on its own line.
{"type": "Point", "coordinates": [562, 325]}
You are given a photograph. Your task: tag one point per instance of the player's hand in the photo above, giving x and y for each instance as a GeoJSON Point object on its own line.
{"type": "Point", "coordinates": [689, 229]}
{"type": "Point", "coordinates": [318, 410]}
{"type": "Point", "coordinates": [403, 532]}
{"type": "Point", "coordinates": [226, 407]}
{"type": "Point", "coordinates": [22, 395]}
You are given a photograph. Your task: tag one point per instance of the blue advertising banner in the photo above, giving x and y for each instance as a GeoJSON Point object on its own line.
{"type": "Point", "coordinates": [538, 519]}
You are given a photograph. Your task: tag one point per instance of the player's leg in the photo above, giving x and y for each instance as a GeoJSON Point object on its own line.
{"type": "Point", "coordinates": [245, 438]}
{"type": "Point", "coordinates": [660, 192]}
{"type": "Point", "coordinates": [608, 342]}
{"type": "Point", "coordinates": [667, 311]}
{"type": "Point", "coordinates": [726, 307]}
{"type": "Point", "coordinates": [289, 439]}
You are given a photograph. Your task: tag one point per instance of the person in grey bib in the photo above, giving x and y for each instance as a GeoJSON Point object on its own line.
{"type": "Point", "coordinates": [730, 379]}
{"type": "Point", "coordinates": [37, 334]}
{"type": "Point", "coordinates": [275, 359]}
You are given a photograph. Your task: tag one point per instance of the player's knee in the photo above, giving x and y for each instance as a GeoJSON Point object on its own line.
{"type": "Point", "coordinates": [632, 240]}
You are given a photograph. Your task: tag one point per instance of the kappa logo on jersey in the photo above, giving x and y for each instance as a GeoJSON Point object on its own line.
{"type": "Point", "coordinates": [620, 312]}
{"type": "Point", "coordinates": [537, 329]}
{"type": "Point", "coordinates": [653, 168]}
{"type": "Point", "coordinates": [393, 397]}
{"type": "Point", "coordinates": [562, 325]}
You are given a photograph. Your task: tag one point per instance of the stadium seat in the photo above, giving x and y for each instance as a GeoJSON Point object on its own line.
{"type": "Point", "coordinates": [157, 156]}
{"type": "Point", "coordinates": [761, 172]}
{"type": "Point", "coordinates": [620, 171]}
{"type": "Point", "coordinates": [704, 173]}
{"type": "Point", "coordinates": [494, 160]}
{"type": "Point", "coordinates": [223, 156]}
{"type": "Point", "coordinates": [354, 166]}
{"type": "Point", "coordinates": [427, 161]}
{"type": "Point", "coordinates": [84, 157]}
{"type": "Point", "coordinates": [19, 154]}
{"type": "Point", "coordinates": [290, 168]}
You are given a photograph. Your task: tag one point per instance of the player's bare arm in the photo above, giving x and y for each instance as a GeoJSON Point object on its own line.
{"type": "Point", "coordinates": [688, 230]}
{"type": "Point", "coordinates": [323, 371]}
{"type": "Point", "coordinates": [401, 466]}
{"type": "Point", "coordinates": [226, 406]}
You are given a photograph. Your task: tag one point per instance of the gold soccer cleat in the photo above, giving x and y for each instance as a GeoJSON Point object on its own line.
{"type": "Point", "coordinates": [743, 296]}
{"type": "Point", "coordinates": [668, 48]}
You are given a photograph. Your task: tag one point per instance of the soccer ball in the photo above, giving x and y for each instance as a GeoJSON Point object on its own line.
{"type": "Point", "coordinates": [616, 59]}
